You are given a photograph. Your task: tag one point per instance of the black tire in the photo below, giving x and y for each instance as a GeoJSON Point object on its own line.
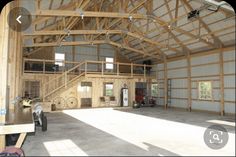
{"type": "Point", "coordinates": [44, 123]}
{"type": "Point", "coordinates": [41, 115]}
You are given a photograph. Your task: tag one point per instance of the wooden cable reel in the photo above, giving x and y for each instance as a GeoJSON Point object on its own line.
{"type": "Point", "coordinates": [72, 102]}
{"type": "Point", "coordinates": [59, 102]}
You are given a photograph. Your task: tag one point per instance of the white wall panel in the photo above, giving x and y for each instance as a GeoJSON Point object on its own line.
{"type": "Point", "coordinates": [179, 93]}
{"type": "Point", "coordinates": [177, 73]}
{"type": "Point", "coordinates": [179, 83]}
{"type": "Point", "coordinates": [229, 67]}
{"type": "Point", "coordinates": [229, 81]}
{"type": "Point", "coordinates": [179, 103]}
{"type": "Point", "coordinates": [229, 55]}
{"type": "Point", "coordinates": [206, 105]}
{"type": "Point", "coordinates": [160, 75]}
{"type": "Point", "coordinates": [230, 94]}
{"type": "Point", "coordinates": [205, 70]}
{"type": "Point", "coordinates": [205, 59]}
{"type": "Point", "coordinates": [229, 108]}
{"type": "Point", "coordinates": [179, 63]}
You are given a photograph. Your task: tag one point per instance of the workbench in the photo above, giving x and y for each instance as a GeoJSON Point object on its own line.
{"type": "Point", "coordinates": [19, 120]}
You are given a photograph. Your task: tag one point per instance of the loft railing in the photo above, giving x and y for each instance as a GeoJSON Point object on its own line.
{"type": "Point", "coordinates": [67, 75]}
{"type": "Point", "coordinates": [46, 66]}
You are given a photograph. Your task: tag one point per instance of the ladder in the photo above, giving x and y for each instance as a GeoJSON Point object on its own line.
{"type": "Point", "coordinates": [169, 92]}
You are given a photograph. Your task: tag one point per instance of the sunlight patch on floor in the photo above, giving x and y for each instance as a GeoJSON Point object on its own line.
{"type": "Point", "coordinates": [180, 138]}
{"type": "Point", "coordinates": [222, 122]}
{"type": "Point", "coordinates": [63, 148]}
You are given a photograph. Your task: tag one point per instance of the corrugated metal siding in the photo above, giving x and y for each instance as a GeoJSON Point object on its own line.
{"type": "Point", "coordinates": [204, 70]}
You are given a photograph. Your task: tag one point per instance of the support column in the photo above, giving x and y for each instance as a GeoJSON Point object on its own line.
{"type": "Point", "coordinates": [4, 47]}
{"type": "Point", "coordinates": [222, 101]}
{"type": "Point", "coordinates": [165, 84]}
{"type": "Point", "coordinates": [189, 83]}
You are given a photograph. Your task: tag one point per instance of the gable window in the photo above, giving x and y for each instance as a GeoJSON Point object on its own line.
{"type": "Point", "coordinates": [205, 90]}
{"type": "Point", "coordinates": [59, 59]}
{"type": "Point", "coordinates": [108, 89]}
{"type": "Point", "coordinates": [109, 65]}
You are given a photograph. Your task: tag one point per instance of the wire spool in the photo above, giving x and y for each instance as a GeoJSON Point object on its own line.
{"type": "Point", "coordinates": [59, 102]}
{"type": "Point", "coordinates": [72, 102]}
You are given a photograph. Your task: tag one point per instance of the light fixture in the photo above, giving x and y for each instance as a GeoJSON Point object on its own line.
{"type": "Point", "coordinates": [82, 15]}
{"type": "Point", "coordinates": [169, 26]}
{"type": "Point", "coordinates": [130, 18]}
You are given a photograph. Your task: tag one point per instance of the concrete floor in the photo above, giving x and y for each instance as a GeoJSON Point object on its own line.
{"type": "Point", "coordinates": [127, 131]}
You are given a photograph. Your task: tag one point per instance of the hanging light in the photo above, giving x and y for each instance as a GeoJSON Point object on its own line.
{"type": "Point", "coordinates": [82, 15]}
{"type": "Point", "coordinates": [130, 18]}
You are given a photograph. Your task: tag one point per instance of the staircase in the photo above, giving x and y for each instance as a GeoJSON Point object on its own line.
{"type": "Point", "coordinates": [61, 82]}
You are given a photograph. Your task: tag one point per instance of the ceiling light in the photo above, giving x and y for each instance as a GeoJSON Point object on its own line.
{"type": "Point", "coordinates": [82, 16]}
{"type": "Point", "coordinates": [130, 18]}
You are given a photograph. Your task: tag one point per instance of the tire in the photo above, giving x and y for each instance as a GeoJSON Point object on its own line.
{"type": "Point", "coordinates": [44, 123]}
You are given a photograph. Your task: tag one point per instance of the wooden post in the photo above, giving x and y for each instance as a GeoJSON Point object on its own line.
{"type": "Point", "coordinates": [86, 67]}
{"type": "Point", "coordinates": [189, 83]}
{"type": "Point", "coordinates": [23, 66]}
{"type": "Point", "coordinates": [144, 67]}
{"type": "Point", "coordinates": [98, 55]}
{"type": "Point", "coordinates": [4, 52]}
{"type": "Point", "coordinates": [222, 103]}
{"type": "Point", "coordinates": [165, 84]}
{"type": "Point", "coordinates": [132, 70]}
{"type": "Point", "coordinates": [102, 68]}
{"type": "Point", "coordinates": [117, 68]}
{"type": "Point", "coordinates": [44, 66]}
{"type": "Point", "coordinates": [65, 79]}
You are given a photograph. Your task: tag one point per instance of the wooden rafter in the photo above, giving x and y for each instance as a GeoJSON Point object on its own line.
{"type": "Point", "coordinates": [216, 40]}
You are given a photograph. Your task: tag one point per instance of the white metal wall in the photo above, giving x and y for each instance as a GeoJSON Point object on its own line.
{"type": "Point", "coordinates": [202, 68]}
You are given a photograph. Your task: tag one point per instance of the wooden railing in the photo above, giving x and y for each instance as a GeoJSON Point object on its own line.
{"type": "Point", "coordinates": [97, 69]}
{"type": "Point", "coordinates": [46, 66]}
{"type": "Point", "coordinates": [63, 80]}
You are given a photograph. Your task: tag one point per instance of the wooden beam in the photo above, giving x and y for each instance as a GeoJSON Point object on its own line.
{"type": "Point", "coordinates": [71, 43]}
{"type": "Point", "coordinates": [72, 32]}
{"type": "Point", "coordinates": [189, 86]}
{"type": "Point", "coordinates": [176, 11]}
{"type": "Point", "coordinates": [42, 19]}
{"type": "Point", "coordinates": [165, 84]}
{"type": "Point", "coordinates": [65, 13]}
{"type": "Point", "coordinates": [129, 48]}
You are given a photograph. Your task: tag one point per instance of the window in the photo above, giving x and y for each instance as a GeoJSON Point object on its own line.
{"type": "Point", "coordinates": [154, 89]}
{"type": "Point", "coordinates": [205, 90]}
{"type": "Point", "coordinates": [108, 89]}
{"type": "Point", "coordinates": [109, 65]}
{"type": "Point", "coordinates": [59, 58]}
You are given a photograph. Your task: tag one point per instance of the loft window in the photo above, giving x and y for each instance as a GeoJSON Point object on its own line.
{"type": "Point", "coordinates": [109, 65]}
{"type": "Point", "coordinates": [205, 90]}
{"type": "Point", "coordinates": [59, 59]}
{"type": "Point", "coordinates": [108, 89]}
{"type": "Point", "coordinates": [154, 89]}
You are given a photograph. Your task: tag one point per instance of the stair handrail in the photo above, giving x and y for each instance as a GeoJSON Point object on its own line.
{"type": "Point", "coordinates": [78, 65]}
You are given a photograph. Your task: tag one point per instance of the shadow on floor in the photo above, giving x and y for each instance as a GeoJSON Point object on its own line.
{"type": "Point", "coordinates": [89, 139]}
{"type": "Point", "coordinates": [181, 116]}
